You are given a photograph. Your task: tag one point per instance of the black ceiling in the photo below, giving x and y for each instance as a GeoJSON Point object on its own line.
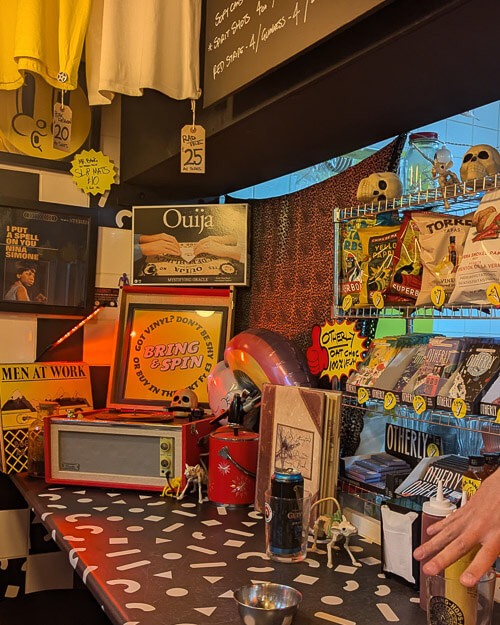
{"type": "Point", "coordinates": [406, 65]}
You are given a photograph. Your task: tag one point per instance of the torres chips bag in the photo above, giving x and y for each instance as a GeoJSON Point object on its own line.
{"type": "Point", "coordinates": [480, 264]}
{"type": "Point", "coordinates": [442, 239]}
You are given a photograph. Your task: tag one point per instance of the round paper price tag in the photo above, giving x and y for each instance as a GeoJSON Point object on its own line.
{"type": "Point", "coordinates": [363, 395]}
{"type": "Point", "coordinates": [347, 303]}
{"type": "Point", "coordinates": [459, 408]}
{"type": "Point", "coordinates": [432, 450]}
{"type": "Point", "coordinates": [378, 299]}
{"type": "Point", "coordinates": [419, 404]}
{"type": "Point", "coordinates": [438, 296]}
{"type": "Point", "coordinates": [389, 401]}
{"type": "Point", "coordinates": [493, 294]}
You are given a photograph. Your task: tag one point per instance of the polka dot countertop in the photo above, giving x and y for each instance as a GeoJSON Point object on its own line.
{"type": "Point", "coordinates": [155, 561]}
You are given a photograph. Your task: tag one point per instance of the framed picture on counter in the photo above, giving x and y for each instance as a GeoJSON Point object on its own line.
{"type": "Point", "coordinates": [47, 258]}
{"type": "Point", "coordinates": [197, 244]}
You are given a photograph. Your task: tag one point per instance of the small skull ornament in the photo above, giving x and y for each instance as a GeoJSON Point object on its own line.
{"type": "Point", "coordinates": [480, 161]}
{"type": "Point", "coordinates": [379, 188]}
{"type": "Point", "coordinates": [185, 399]}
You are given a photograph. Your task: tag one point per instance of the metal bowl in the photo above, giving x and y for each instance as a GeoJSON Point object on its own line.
{"type": "Point", "coordinates": [267, 604]}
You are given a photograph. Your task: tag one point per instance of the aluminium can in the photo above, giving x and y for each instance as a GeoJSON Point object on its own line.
{"type": "Point", "coordinates": [283, 513]}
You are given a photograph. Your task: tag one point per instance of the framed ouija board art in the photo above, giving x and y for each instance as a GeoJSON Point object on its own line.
{"type": "Point", "coordinates": [203, 244]}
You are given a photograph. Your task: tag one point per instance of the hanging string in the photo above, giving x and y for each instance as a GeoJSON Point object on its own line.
{"type": "Point", "coordinates": [62, 100]}
{"type": "Point", "coordinates": [193, 109]}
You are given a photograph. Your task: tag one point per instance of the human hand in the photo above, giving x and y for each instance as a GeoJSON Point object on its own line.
{"type": "Point", "coordinates": [216, 247]}
{"type": "Point", "coordinates": [476, 523]}
{"type": "Point", "coordinates": [153, 244]}
{"type": "Point", "coordinates": [317, 355]}
{"type": "Point", "coordinates": [40, 298]}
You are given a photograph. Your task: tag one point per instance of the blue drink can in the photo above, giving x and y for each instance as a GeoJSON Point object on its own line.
{"type": "Point", "coordinates": [283, 512]}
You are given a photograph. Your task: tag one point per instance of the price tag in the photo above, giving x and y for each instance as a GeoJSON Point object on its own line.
{"type": "Point", "coordinates": [347, 303]}
{"type": "Point", "coordinates": [497, 420]}
{"type": "Point", "coordinates": [92, 172]}
{"type": "Point", "coordinates": [61, 127]}
{"type": "Point", "coordinates": [378, 299]}
{"type": "Point", "coordinates": [193, 149]}
{"type": "Point", "coordinates": [419, 404]}
{"type": "Point", "coordinates": [438, 296]}
{"type": "Point", "coordinates": [363, 395]}
{"type": "Point", "coordinates": [389, 401]}
{"type": "Point", "coordinates": [493, 294]}
{"type": "Point", "coordinates": [459, 408]}
{"type": "Point", "coordinates": [432, 450]}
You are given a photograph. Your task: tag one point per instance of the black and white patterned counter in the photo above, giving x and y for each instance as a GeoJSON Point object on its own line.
{"type": "Point", "coordinates": [155, 561]}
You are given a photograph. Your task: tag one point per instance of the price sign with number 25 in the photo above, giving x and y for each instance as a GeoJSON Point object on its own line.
{"type": "Point", "coordinates": [193, 149]}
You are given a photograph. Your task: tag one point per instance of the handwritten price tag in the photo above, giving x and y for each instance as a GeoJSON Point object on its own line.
{"type": "Point", "coordinates": [61, 127]}
{"type": "Point", "coordinates": [347, 303]}
{"type": "Point", "coordinates": [493, 294]}
{"type": "Point", "coordinates": [193, 149]}
{"type": "Point", "coordinates": [419, 404]}
{"type": "Point", "coordinates": [438, 296]}
{"type": "Point", "coordinates": [432, 450]}
{"type": "Point", "coordinates": [389, 401]}
{"type": "Point", "coordinates": [459, 408]}
{"type": "Point", "coordinates": [378, 300]}
{"type": "Point", "coordinates": [92, 172]}
{"type": "Point", "coordinates": [363, 395]}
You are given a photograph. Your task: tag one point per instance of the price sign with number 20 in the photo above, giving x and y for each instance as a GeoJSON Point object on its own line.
{"type": "Point", "coordinates": [193, 149]}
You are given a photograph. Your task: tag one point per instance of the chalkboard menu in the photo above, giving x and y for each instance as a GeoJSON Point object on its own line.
{"type": "Point", "coordinates": [246, 38]}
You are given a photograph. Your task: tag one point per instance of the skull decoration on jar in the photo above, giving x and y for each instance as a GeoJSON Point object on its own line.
{"type": "Point", "coordinates": [479, 161]}
{"type": "Point", "coordinates": [183, 402]}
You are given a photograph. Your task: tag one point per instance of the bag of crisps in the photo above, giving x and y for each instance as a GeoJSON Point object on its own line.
{"type": "Point", "coordinates": [442, 238]}
{"type": "Point", "coordinates": [379, 244]}
{"type": "Point", "coordinates": [406, 276]}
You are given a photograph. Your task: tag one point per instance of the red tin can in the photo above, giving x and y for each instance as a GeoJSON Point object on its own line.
{"type": "Point", "coordinates": [232, 465]}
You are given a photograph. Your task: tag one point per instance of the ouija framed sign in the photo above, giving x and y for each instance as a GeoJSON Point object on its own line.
{"type": "Point", "coordinates": [196, 244]}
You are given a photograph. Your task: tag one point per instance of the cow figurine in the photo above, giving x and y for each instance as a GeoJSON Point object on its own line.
{"type": "Point", "coordinates": [334, 527]}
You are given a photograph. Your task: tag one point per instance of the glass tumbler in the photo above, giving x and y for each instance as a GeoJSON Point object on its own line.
{"type": "Point", "coordinates": [287, 527]}
{"type": "Point", "coordinates": [451, 603]}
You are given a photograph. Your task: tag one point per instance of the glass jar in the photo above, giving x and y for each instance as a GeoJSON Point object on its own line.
{"type": "Point", "coordinates": [36, 439]}
{"type": "Point", "coordinates": [416, 165]}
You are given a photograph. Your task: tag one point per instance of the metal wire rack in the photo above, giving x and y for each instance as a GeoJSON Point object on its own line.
{"type": "Point", "coordinates": [460, 197]}
{"type": "Point", "coordinates": [410, 312]}
{"type": "Point", "coordinates": [372, 498]}
{"type": "Point", "coordinates": [469, 423]}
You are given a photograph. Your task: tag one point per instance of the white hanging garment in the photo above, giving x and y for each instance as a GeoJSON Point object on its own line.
{"type": "Point", "coordinates": [133, 45]}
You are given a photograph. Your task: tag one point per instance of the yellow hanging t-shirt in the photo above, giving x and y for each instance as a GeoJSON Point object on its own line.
{"type": "Point", "coordinates": [42, 36]}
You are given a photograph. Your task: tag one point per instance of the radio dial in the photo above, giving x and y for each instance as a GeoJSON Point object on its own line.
{"type": "Point", "coordinates": [165, 463]}
{"type": "Point", "coordinates": [165, 446]}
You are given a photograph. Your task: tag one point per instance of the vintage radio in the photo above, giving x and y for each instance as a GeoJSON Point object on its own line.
{"type": "Point", "coordinates": [99, 450]}
{"type": "Point", "coordinates": [168, 339]}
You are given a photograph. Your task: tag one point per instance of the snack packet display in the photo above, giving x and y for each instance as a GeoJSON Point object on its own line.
{"type": "Point", "coordinates": [380, 353]}
{"type": "Point", "coordinates": [441, 238]}
{"type": "Point", "coordinates": [406, 276]}
{"type": "Point", "coordinates": [352, 251]}
{"type": "Point", "coordinates": [480, 264]}
{"type": "Point", "coordinates": [352, 255]}
{"type": "Point", "coordinates": [379, 244]}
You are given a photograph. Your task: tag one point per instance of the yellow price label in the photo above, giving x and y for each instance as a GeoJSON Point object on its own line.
{"type": "Point", "coordinates": [493, 294]}
{"type": "Point", "coordinates": [438, 296]}
{"type": "Point", "coordinates": [419, 404]}
{"type": "Point", "coordinates": [378, 299]}
{"type": "Point", "coordinates": [92, 172]}
{"type": "Point", "coordinates": [432, 450]}
{"type": "Point", "coordinates": [497, 420]}
{"type": "Point", "coordinates": [389, 401]}
{"type": "Point", "coordinates": [363, 395]}
{"type": "Point", "coordinates": [459, 408]}
{"type": "Point", "coordinates": [347, 303]}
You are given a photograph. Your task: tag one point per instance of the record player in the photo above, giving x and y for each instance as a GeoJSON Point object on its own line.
{"type": "Point", "coordinates": [167, 339]}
